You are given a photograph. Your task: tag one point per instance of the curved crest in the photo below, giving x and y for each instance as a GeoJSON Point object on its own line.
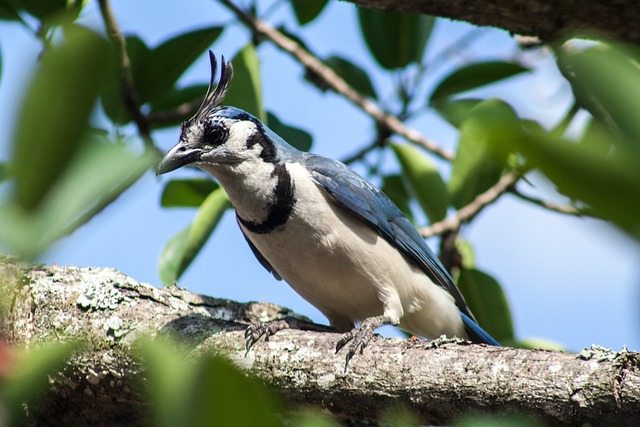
{"type": "Point", "coordinates": [214, 97]}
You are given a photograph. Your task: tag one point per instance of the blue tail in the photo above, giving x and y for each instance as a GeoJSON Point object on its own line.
{"type": "Point", "coordinates": [476, 333]}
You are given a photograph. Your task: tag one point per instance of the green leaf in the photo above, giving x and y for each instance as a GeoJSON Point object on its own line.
{"type": "Point", "coordinates": [29, 381]}
{"type": "Point", "coordinates": [395, 39]}
{"type": "Point", "coordinates": [186, 192]}
{"type": "Point", "coordinates": [182, 248]}
{"type": "Point", "coordinates": [300, 139]}
{"type": "Point", "coordinates": [6, 171]}
{"type": "Point", "coordinates": [355, 76]}
{"type": "Point", "coordinates": [478, 165]}
{"type": "Point", "coordinates": [167, 62]}
{"type": "Point", "coordinates": [223, 396]}
{"type": "Point", "coordinates": [44, 9]}
{"type": "Point", "coordinates": [170, 375]}
{"type": "Point", "coordinates": [474, 76]}
{"type": "Point", "coordinates": [609, 184]}
{"type": "Point", "coordinates": [246, 90]}
{"type": "Point", "coordinates": [424, 180]}
{"type": "Point", "coordinates": [55, 113]}
{"type": "Point", "coordinates": [455, 110]}
{"type": "Point", "coordinates": [97, 176]}
{"type": "Point", "coordinates": [487, 302]}
{"type": "Point", "coordinates": [111, 93]}
{"type": "Point", "coordinates": [395, 189]}
{"type": "Point", "coordinates": [204, 391]}
{"type": "Point", "coordinates": [613, 101]}
{"type": "Point", "coordinates": [307, 10]}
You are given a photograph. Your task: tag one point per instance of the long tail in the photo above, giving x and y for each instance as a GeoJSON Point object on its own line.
{"type": "Point", "coordinates": [476, 333]}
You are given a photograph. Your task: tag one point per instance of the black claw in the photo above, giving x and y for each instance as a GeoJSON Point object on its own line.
{"type": "Point", "coordinates": [344, 339]}
{"type": "Point", "coordinates": [254, 331]}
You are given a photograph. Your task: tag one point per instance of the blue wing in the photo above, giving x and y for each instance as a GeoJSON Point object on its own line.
{"type": "Point", "coordinates": [362, 199]}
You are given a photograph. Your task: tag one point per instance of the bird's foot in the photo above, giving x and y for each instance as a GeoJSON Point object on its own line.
{"type": "Point", "coordinates": [256, 330]}
{"type": "Point", "coordinates": [360, 337]}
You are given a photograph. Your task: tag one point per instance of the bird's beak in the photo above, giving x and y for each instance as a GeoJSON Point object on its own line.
{"type": "Point", "coordinates": [180, 155]}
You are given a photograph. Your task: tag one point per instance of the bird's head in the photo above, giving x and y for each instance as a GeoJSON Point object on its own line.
{"type": "Point", "coordinates": [220, 136]}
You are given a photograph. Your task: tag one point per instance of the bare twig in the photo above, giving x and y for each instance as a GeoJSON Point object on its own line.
{"type": "Point", "coordinates": [170, 116]}
{"type": "Point", "coordinates": [468, 212]}
{"type": "Point", "coordinates": [129, 92]}
{"type": "Point", "coordinates": [565, 209]}
{"type": "Point", "coordinates": [334, 81]}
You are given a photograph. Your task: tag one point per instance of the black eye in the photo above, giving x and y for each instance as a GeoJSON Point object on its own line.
{"type": "Point", "coordinates": [214, 134]}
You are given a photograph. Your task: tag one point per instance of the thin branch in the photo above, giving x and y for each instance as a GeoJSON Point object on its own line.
{"type": "Point", "coordinates": [470, 211]}
{"type": "Point", "coordinates": [170, 116]}
{"type": "Point", "coordinates": [334, 81]}
{"type": "Point", "coordinates": [565, 209]}
{"type": "Point", "coordinates": [129, 93]}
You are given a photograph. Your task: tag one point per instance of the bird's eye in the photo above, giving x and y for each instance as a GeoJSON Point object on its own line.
{"type": "Point", "coordinates": [214, 134]}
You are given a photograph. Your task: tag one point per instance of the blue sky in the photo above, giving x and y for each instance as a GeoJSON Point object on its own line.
{"type": "Point", "coordinates": [575, 281]}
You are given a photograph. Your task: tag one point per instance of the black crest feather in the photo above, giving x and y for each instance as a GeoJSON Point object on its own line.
{"type": "Point", "coordinates": [215, 93]}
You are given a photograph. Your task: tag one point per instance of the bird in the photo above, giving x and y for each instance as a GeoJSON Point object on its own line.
{"type": "Point", "coordinates": [312, 221]}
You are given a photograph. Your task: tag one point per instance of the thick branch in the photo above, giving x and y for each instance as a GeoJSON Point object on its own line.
{"type": "Point", "coordinates": [110, 311]}
{"type": "Point", "coordinates": [542, 18]}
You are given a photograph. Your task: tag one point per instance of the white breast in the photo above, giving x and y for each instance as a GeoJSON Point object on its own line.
{"type": "Point", "coordinates": [346, 270]}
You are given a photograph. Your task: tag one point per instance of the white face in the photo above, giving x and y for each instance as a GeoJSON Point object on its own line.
{"type": "Point", "coordinates": [223, 141]}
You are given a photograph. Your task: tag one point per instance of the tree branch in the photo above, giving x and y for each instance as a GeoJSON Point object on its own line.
{"type": "Point", "coordinates": [109, 311]}
{"type": "Point", "coordinates": [468, 212]}
{"type": "Point", "coordinates": [129, 92]}
{"type": "Point", "coordinates": [544, 19]}
{"type": "Point", "coordinates": [334, 81]}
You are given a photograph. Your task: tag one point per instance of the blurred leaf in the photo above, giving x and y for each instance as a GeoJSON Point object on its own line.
{"type": "Point", "coordinates": [609, 184]}
{"type": "Point", "coordinates": [204, 391]}
{"type": "Point", "coordinates": [455, 110]}
{"type": "Point", "coordinates": [424, 180]}
{"type": "Point", "coordinates": [29, 381]}
{"type": "Point", "coordinates": [355, 76]}
{"type": "Point", "coordinates": [465, 249]}
{"type": "Point", "coordinates": [393, 186]}
{"type": "Point", "coordinates": [307, 10]}
{"type": "Point", "coordinates": [613, 101]}
{"type": "Point", "coordinates": [43, 9]}
{"type": "Point", "coordinates": [111, 92]}
{"type": "Point", "coordinates": [186, 192]}
{"type": "Point", "coordinates": [487, 302]}
{"type": "Point", "coordinates": [539, 343]}
{"type": "Point", "coordinates": [246, 90]}
{"type": "Point", "coordinates": [300, 139]}
{"type": "Point", "coordinates": [223, 396]}
{"type": "Point", "coordinates": [55, 113]}
{"type": "Point", "coordinates": [8, 12]}
{"type": "Point", "coordinates": [596, 138]}
{"type": "Point", "coordinates": [395, 39]}
{"type": "Point", "coordinates": [477, 165]}
{"type": "Point", "coordinates": [6, 171]}
{"type": "Point", "coordinates": [97, 176]}
{"type": "Point", "coordinates": [502, 420]}
{"type": "Point", "coordinates": [174, 98]}
{"type": "Point", "coordinates": [474, 76]}
{"type": "Point", "coordinates": [182, 248]}
{"type": "Point", "coordinates": [168, 61]}
{"type": "Point", "coordinates": [170, 377]}
{"type": "Point", "coordinates": [309, 417]}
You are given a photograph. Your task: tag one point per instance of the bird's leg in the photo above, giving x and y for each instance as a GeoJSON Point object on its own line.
{"type": "Point", "coordinates": [360, 336]}
{"type": "Point", "coordinates": [255, 330]}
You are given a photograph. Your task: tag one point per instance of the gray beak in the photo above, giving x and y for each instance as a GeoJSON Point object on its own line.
{"type": "Point", "coordinates": [180, 155]}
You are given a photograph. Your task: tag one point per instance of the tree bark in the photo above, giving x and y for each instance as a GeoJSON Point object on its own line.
{"type": "Point", "coordinates": [109, 312]}
{"type": "Point", "coordinates": [545, 19]}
